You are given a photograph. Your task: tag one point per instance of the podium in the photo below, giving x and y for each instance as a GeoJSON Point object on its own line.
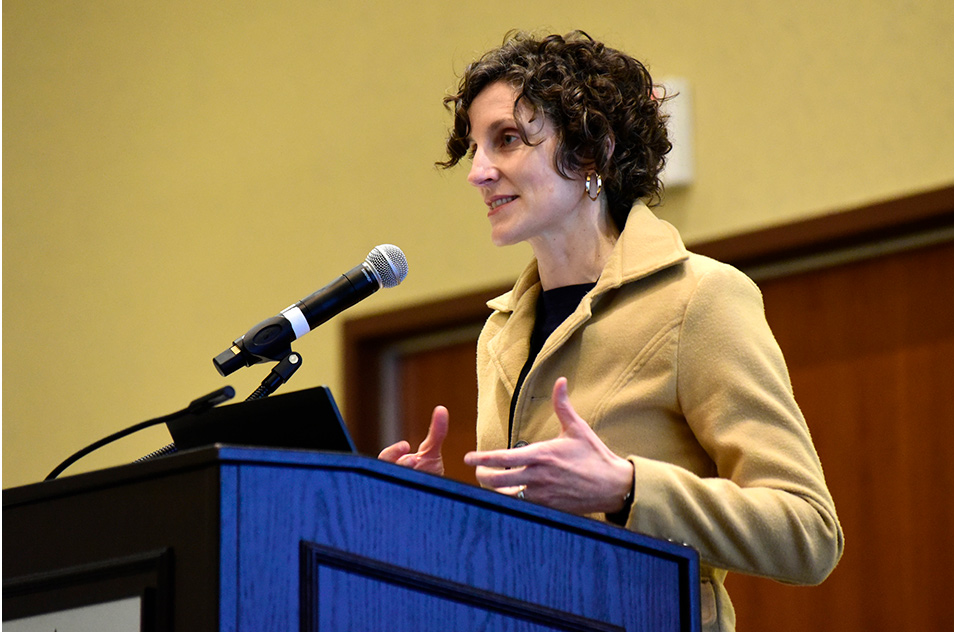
{"type": "Point", "coordinates": [254, 540]}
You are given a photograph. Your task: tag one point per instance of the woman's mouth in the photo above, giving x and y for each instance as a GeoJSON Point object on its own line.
{"type": "Point", "coordinates": [502, 200]}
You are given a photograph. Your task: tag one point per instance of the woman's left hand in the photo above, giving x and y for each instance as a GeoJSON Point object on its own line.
{"type": "Point", "coordinates": [575, 472]}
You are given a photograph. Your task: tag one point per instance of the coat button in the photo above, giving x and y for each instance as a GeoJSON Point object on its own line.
{"type": "Point", "coordinates": [520, 444]}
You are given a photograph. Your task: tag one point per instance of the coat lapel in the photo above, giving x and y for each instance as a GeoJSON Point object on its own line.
{"type": "Point", "coordinates": [646, 246]}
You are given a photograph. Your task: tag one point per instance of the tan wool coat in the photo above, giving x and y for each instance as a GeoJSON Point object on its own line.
{"type": "Point", "coordinates": [670, 360]}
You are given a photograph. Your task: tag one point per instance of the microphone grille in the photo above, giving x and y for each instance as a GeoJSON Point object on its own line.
{"type": "Point", "coordinates": [389, 264]}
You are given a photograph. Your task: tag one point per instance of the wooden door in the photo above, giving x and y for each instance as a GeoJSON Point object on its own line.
{"type": "Point", "coordinates": [869, 346]}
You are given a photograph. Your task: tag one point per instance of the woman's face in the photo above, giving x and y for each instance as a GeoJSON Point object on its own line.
{"type": "Point", "coordinates": [527, 199]}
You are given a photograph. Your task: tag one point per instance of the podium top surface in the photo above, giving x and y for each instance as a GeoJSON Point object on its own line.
{"type": "Point", "coordinates": [218, 456]}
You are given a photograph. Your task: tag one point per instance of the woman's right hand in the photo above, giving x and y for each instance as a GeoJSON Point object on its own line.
{"type": "Point", "coordinates": [428, 457]}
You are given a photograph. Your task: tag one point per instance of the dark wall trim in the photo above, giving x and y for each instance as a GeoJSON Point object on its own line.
{"type": "Point", "coordinates": [838, 230]}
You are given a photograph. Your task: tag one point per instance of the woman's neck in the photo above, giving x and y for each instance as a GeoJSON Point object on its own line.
{"type": "Point", "coordinates": [575, 257]}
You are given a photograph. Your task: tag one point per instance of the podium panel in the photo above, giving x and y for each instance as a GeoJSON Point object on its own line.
{"type": "Point", "coordinates": [244, 539]}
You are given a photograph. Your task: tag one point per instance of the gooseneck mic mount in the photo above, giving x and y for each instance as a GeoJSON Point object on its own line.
{"type": "Point", "coordinates": [279, 375]}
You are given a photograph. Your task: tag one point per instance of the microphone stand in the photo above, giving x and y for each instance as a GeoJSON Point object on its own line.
{"type": "Point", "coordinates": [279, 375]}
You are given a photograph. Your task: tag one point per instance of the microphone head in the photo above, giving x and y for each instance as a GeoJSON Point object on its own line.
{"type": "Point", "coordinates": [388, 263]}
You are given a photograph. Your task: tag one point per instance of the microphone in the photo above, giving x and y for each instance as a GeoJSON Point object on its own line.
{"type": "Point", "coordinates": [385, 266]}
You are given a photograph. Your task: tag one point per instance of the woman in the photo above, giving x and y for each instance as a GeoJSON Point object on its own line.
{"type": "Point", "coordinates": [624, 377]}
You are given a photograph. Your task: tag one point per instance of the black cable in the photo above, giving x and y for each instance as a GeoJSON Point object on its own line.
{"type": "Point", "coordinates": [197, 406]}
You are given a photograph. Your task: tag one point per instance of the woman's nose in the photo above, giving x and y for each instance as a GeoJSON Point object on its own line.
{"type": "Point", "coordinates": [483, 170]}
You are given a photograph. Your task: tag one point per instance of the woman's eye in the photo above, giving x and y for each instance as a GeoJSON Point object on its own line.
{"type": "Point", "coordinates": [509, 139]}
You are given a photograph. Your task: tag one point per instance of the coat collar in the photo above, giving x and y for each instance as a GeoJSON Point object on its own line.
{"type": "Point", "coordinates": [646, 246]}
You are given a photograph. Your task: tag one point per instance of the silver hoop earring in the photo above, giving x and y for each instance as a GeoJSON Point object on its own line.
{"type": "Point", "coordinates": [587, 186]}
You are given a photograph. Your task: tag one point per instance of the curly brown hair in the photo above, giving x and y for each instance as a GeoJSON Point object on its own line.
{"type": "Point", "coordinates": [601, 101]}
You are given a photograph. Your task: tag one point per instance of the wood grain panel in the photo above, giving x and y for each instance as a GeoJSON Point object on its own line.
{"type": "Point", "coordinates": [870, 350]}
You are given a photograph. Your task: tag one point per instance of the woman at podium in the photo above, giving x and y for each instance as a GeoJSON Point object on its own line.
{"type": "Point", "coordinates": [624, 377]}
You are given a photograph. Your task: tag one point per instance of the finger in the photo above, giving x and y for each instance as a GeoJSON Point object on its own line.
{"type": "Point", "coordinates": [498, 479]}
{"type": "Point", "coordinates": [513, 491]}
{"type": "Point", "coordinates": [395, 451]}
{"type": "Point", "coordinates": [516, 457]}
{"type": "Point", "coordinates": [411, 460]}
{"type": "Point", "coordinates": [437, 431]}
{"type": "Point", "coordinates": [561, 400]}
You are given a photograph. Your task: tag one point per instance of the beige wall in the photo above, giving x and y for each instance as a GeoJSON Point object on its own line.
{"type": "Point", "coordinates": [176, 171]}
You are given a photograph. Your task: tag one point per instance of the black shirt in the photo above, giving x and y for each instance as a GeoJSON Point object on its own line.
{"type": "Point", "coordinates": [554, 306]}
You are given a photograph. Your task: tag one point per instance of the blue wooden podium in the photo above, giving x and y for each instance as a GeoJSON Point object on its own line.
{"type": "Point", "coordinates": [254, 540]}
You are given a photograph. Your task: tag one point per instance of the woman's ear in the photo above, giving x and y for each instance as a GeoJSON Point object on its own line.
{"type": "Point", "coordinates": [609, 146]}
{"type": "Point", "coordinates": [590, 165]}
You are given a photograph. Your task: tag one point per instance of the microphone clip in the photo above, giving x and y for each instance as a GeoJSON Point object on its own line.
{"type": "Point", "coordinates": [262, 343]}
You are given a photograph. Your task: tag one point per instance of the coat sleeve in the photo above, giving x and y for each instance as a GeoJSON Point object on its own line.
{"type": "Point", "coordinates": [768, 512]}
